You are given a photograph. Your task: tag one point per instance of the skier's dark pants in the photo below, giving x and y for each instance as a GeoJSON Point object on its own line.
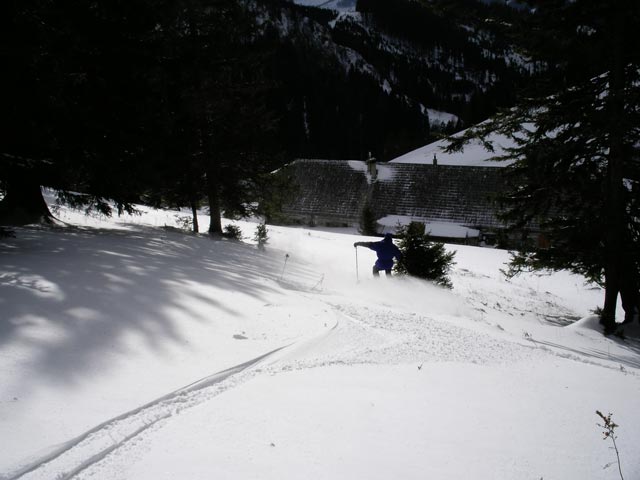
{"type": "Point", "coordinates": [376, 271]}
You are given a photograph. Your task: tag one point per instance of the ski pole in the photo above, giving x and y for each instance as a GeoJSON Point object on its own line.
{"type": "Point", "coordinates": [357, 274]}
{"type": "Point", "coordinates": [286, 257]}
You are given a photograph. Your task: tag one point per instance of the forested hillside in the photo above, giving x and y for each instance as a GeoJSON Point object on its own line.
{"type": "Point", "coordinates": [186, 102]}
{"type": "Point", "coordinates": [392, 75]}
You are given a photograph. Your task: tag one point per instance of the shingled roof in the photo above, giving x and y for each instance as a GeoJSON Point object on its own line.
{"type": "Point", "coordinates": [460, 195]}
{"type": "Point", "coordinates": [329, 191]}
{"type": "Point", "coordinates": [336, 191]}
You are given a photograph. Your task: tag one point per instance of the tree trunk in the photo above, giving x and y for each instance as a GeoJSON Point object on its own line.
{"type": "Point", "coordinates": [24, 204]}
{"type": "Point", "coordinates": [614, 199]}
{"type": "Point", "coordinates": [194, 214]}
{"type": "Point", "coordinates": [215, 223]}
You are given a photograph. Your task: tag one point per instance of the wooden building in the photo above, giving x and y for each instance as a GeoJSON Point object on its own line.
{"type": "Point", "coordinates": [456, 203]}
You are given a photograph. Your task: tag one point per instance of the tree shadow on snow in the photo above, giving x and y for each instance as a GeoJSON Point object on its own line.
{"type": "Point", "coordinates": [72, 296]}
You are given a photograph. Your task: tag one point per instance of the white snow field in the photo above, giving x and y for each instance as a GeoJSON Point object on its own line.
{"type": "Point", "coordinates": [131, 351]}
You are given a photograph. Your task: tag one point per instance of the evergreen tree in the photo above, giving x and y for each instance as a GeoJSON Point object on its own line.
{"type": "Point", "coordinates": [218, 85]}
{"type": "Point", "coordinates": [133, 100]}
{"type": "Point", "coordinates": [73, 97]}
{"type": "Point", "coordinates": [261, 235]}
{"type": "Point", "coordinates": [368, 225]}
{"type": "Point", "coordinates": [422, 258]}
{"type": "Point", "coordinates": [576, 159]}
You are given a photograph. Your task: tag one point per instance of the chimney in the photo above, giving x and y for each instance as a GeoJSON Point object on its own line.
{"type": "Point", "coordinates": [435, 160]}
{"type": "Point", "coordinates": [372, 168]}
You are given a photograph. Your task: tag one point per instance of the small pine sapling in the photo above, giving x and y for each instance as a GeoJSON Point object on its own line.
{"type": "Point", "coordinates": [423, 258]}
{"type": "Point", "coordinates": [232, 231]}
{"type": "Point", "coordinates": [261, 235]}
{"type": "Point", "coordinates": [184, 222]}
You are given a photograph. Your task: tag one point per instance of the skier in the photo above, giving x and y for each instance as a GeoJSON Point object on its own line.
{"type": "Point", "coordinates": [386, 251]}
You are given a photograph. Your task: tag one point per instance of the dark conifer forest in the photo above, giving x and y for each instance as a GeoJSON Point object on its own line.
{"type": "Point", "coordinates": [193, 102]}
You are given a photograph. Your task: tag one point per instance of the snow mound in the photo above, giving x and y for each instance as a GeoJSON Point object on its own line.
{"type": "Point", "coordinates": [591, 322]}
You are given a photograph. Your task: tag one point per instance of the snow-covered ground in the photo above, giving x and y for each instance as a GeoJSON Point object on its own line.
{"type": "Point", "coordinates": [134, 351]}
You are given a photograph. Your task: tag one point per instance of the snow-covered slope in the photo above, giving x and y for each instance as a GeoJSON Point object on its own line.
{"type": "Point", "coordinates": [134, 351]}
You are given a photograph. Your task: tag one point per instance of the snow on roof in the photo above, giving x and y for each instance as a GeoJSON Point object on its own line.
{"type": "Point", "coordinates": [383, 172]}
{"type": "Point", "coordinates": [473, 155]}
{"type": "Point", "coordinates": [436, 229]}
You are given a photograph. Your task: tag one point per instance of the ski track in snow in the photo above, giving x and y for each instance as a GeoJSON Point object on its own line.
{"type": "Point", "coordinates": [362, 334]}
{"type": "Point", "coordinates": [89, 448]}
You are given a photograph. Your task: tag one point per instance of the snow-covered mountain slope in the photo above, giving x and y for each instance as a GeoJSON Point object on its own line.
{"type": "Point", "coordinates": [135, 351]}
{"type": "Point", "coordinates": [460, 63]}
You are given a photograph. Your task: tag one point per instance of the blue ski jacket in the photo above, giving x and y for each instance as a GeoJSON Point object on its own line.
{"type": "Point", "coordinates": [385, 249]}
